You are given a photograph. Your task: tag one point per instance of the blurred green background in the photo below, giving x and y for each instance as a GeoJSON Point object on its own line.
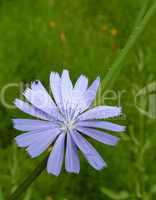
{"type": "Point", "coordinates": [84, 36]}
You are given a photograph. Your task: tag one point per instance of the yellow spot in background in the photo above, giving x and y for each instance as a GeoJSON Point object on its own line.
{"type": "Point", "coordinates": [51, 2]}
{"type": "Point", "coordinates": [104, 28]}
{"type": "Point", "coordinates": [52, 24]}
{"type": "Point", "coordinates": [63, 37]}
{"type": "Point", "coordinates": [49, 198]}
{"type": "Point", "coordinates": [114, 32]}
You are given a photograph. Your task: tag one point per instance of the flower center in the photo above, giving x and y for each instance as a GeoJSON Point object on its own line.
{"type": "Point", "coordinates": [67, 126]}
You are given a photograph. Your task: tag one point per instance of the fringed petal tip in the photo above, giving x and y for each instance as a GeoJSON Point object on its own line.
{"type": "Point", "coordinates": [117, 111]}
{"type": "Point", "coordinates": [53, 73]}
{"type": "Point", "coordinates": [124, 128]}
{"type": "Point", "coordinates": [102, 167]}
{"type": "Point", "coordinates": [97, 169]}
{"type": "Point", "coordinates": [26, 92]}
{"type": "Point", "coordinates": [65, 71]}
{"type": "Point", "coordinates": [73, 172]}
{"type": "Point", "coordinates": [57, 174]}
{"type": "Point", "coordinates": [18, 103]}
{"type": "Point", "coordinates": [30, 153]}
{"type": "Point", "coordinates": [52, 173]}
{"type": "Point", "coordinates": [15, 126]}
{"type": "Point", "coordinates": [15, 102]}
{"type": "Point", "coordinates": [98, 78]}
{"type": "Point", "coordinates": [18, 142]}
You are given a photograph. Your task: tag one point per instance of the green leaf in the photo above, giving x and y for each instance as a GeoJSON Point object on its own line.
{"type": "Point", "coordinates": [115, 195]}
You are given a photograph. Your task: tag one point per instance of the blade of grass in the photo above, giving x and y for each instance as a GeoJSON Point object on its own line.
{"type": "Point", "coordinates": [142, 12]}
{"type": "Point", "coordinates": [116, 68]}
{"type": "Point", "coordinates": [28, 195]}
{"type": "Point", "coordinates": [29, 180]}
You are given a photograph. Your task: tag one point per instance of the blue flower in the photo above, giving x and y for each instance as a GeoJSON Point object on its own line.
{"type": "Point", "coordinates": [63, 122]}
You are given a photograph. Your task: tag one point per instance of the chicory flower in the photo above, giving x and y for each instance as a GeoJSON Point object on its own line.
{"type": "Point", "coordinates": [63, 122]}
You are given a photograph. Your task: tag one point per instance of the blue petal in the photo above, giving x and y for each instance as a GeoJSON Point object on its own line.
{"type": "Point", "coordinates": [78, 95]}
{"type": "Point", "coordinates": [42, 143]}
{"type": "Point", "coordinates": [55, 84]}
{"type": "Point", "coordinates": [55, 160]}
{"type": "Point", "coordinates": [31, 110]}
{"type": "Point", "coordinates": [81, 85]}
{"type": "Point", "coordinates": [102, 124]}
{"type": "Point", "coordinates": [32, 125]}
{"type": "Point", "coordinates": [88, 97]}
{"type": "Point", "coordinates": [79, 90]}
{"type": "Point", "coordinates": [26, 139]}
{"type": "Point", "coordinates": [92, 156]}
{"type": "Point", "coordinates": [72, 163]}
{"type": "Point", "coordinates": [101, 112]}
{"type": "Point", "coordinates": [39, 97]}
{"type": "Point", "coordinates": [99, 135]}
{"type": "Point", "coordinates": [66, 91]}
{"type": "Point", "coordinates": [91, 93]}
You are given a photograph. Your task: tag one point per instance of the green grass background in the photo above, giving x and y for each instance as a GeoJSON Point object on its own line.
{"type": "Point", "coordinates": [84, 36]}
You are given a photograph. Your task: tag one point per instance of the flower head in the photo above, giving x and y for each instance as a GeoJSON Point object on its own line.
{"type": "Point", "coordinates": [64, 121]}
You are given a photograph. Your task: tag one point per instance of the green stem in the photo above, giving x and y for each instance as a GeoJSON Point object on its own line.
{"type": "Point", "coordinates": [29, 180]}
{"type": "Point", "coordinates": [116, 68]}
{"type": "Point", "coordinates": [142, 12]}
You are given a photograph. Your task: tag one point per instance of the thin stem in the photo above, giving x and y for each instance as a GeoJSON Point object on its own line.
{"type": "Point", "coordinates": [116, 68]}
{"type": "Point", "coordinates": [29, 180]}
{"type": "Point", "coordinates": [142, 12]}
